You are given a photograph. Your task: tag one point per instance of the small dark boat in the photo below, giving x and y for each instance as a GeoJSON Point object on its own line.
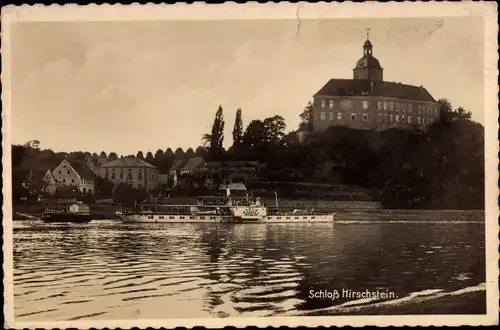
{"type": "Point", "coordinates": [72, 213]}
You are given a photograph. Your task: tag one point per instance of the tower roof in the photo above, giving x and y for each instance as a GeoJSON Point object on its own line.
{"type": "Point", "coordinates": [368, 61]}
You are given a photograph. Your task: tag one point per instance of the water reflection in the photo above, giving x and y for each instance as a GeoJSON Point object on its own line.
{"type": "Point", "coordinates": [111, 270]}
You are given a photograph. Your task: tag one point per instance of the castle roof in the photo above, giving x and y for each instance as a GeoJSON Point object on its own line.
{"type": "Point", "coordinates": [361, 87]}
{"type": "Point", "coordinates": [129, 161]}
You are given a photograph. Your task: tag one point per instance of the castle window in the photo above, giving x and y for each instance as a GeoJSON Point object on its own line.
{"type": "Point", "coordinates": [60, 172]}
{"type": "Point", "coordinates": [323, 115]}
{"type": "Point", "coordinates": [409, 107]}
{"type": "Point", "coordinates": [385, 117]}
{"type": "Point", "coordinates": [418, 120]}
{"type": "Point", "coordinates": [365, 117]}
{"type": "Point", "coordinates": [112, 173]}
{"type": "Point", "coordinates": [409, 119]}
{"type": "Point", "coordinates": [386, 105]}
{"type": "Point", "coordinates": [64, 180]}
{"type": "Point", "coordinates": [67, 172]}
{"type": "Point", "coordinates": [419, 109]}
{"type": "Point", "coordinates": [330, 104]}
{"type": "Point", "coordinates": [397, 106]}
{"type": "Point", "coordinates": [339, 115]}
{"type": "Point", "coordinates": [390, 118]}
{"type": "Point", "coordinates": [139, 176]}
{"type": "Point", "coordinates": [403, 107]}
{"type": "Point", "coordinates": [397, 119]}
{"type": "Point", "coordinates": [72, 180]}
{"type": "Point", "coordinates": [379, 105]}
{"type": "Point", "coordinates": [346, 104]}
{"type": "Point", "coordinates": [331, 115]}
{"type": "Point", "coordinates": [391, 106]}
{"type": "Point", "coordinates": [129, 174]}
{"type": "Point", "coordinates": [323, 103]}
{"type": "Point", "coordinates": [402, 119]}
{"type": "Point", "coordinates": [121, 173]}
{"type": "Point", "coordinates": [106, 174]}
{"type": "Point", "coordinates": [365, 104]}
{"type": "Point", "coordinates": [379, 117]}
{"type": "Point", "coordinates": [353, 116]}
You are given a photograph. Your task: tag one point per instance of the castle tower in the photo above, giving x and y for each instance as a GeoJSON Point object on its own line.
{"type": "Point", "coordinates": [368, 67]}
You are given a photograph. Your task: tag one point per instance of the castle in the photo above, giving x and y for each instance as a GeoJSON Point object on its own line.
{"type": "Point", "coordinates": [368, 102]}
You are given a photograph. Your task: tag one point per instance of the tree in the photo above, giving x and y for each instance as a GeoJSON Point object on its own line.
{"type": "Point", "coordinates": [126, 194]}
{"type": "Point", "coordinates": [150, 158]}
{"type": "Point", "coordinates": [18, 154]}
{"type": "Point", "coordinates": [159, 158]}
{"type": "Point", "coordinates": [274, 130]}
{"type": "Point", "coordinates": [200, 151]}
{"type": "Point", "coordinates": [140, 155]}
{"type": "Point", "coordinates": [179, 153]}
{"type": "Point", "coordinates": [103, 155]}
{"type": "Point", "coordinates": [306, 118]}
{"type": "Point", "coordinates": [112, 156]}
{"type": "Point", "coordinates": [95, 157]}
{"type": "Point", "coordinates": [103, 187]}
{"type": "Point", "coordinates": [189, 153]}
{"type": "Point", "coordinates": [238, 130]}
{"type": "Point", "coordinates": [254, 140]}
{"type": "Point", "coordinates": [215, 139]}
{"type": "Point", "coordinates": [33, 144]}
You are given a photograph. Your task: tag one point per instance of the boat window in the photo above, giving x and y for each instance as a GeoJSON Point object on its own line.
{"type": "Point", "coordinates": [202, 218]}
{"type": "Point", "coordinates": [191, 217]}
{"type": "Point", "coordinates": [212, 217]}
{"type": "Point", "coordinates": [288, 217]}
{"type": "Point", "coordinates": [304, 217]}
{"type": "Point", "coordinates": [279, 217]}
{"type": "Point", "coordinates": [171, 217]}
{"type": "Point", "coordinates": [296, 217]}
{"type": "Point", "coordinates": [313, 217]}
{"type": "Point", "coordinates": [181, 217]}
{"type": "Point", "coordinates": [150, 217]}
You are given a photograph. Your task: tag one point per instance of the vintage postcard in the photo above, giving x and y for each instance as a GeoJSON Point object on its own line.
{"type": "Point", "coordinates": [250, 165]}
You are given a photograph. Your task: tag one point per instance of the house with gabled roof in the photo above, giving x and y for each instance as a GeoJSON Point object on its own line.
{"type": "Point", "coordinates": [76, 174]}
{"type": "Point", "coordinates": [131, 170]}
{"type": "Point", "coordinates": [40, 180]}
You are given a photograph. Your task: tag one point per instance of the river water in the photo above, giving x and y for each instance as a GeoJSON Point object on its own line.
{"type": "Point", "coordinates": [110, 270]}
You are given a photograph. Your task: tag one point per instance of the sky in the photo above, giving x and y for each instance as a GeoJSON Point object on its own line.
{"type": "Point", "coordinates": [147, 85]}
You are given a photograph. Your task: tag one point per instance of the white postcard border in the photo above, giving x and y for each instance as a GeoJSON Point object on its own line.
{"type": "Point", "coordinates": [252, 10]}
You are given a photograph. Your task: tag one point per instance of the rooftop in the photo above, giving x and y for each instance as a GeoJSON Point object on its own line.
{"type": "Point", "coordinates": [83, 170]}
{"type": "Point", "coordinates": [129, 161]}
{"type": "Point", "coordinates": [361, 87]}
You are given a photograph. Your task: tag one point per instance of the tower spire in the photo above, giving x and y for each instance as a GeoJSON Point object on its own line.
{"type": "Point", "coordinates": [368, 34]}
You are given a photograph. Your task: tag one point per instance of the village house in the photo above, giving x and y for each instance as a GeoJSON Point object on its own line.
{"type": "Point", "coordinates": [76, 174]}
{"type": "Point", "coordinates": [40, 180]}
{"type": "Point", "coordinates": [131, 170]}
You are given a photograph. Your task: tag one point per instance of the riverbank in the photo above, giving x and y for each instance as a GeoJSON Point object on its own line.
{"type": "Point", "coordinates": [108, 211]}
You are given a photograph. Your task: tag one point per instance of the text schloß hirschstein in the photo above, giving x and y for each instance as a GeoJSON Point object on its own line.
{"type": "Point", "coordinates": [350, 294]}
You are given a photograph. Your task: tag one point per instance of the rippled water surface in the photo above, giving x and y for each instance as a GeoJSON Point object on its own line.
{"type": "Point", "coordinates": [106, 270]}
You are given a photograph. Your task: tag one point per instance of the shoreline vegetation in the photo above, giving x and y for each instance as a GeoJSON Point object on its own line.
{"type": "Point", "coordinates": [436, 167]}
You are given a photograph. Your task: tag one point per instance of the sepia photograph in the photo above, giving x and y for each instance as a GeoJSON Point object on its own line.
{"type": "Point", "coordinates": [282, 164]}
